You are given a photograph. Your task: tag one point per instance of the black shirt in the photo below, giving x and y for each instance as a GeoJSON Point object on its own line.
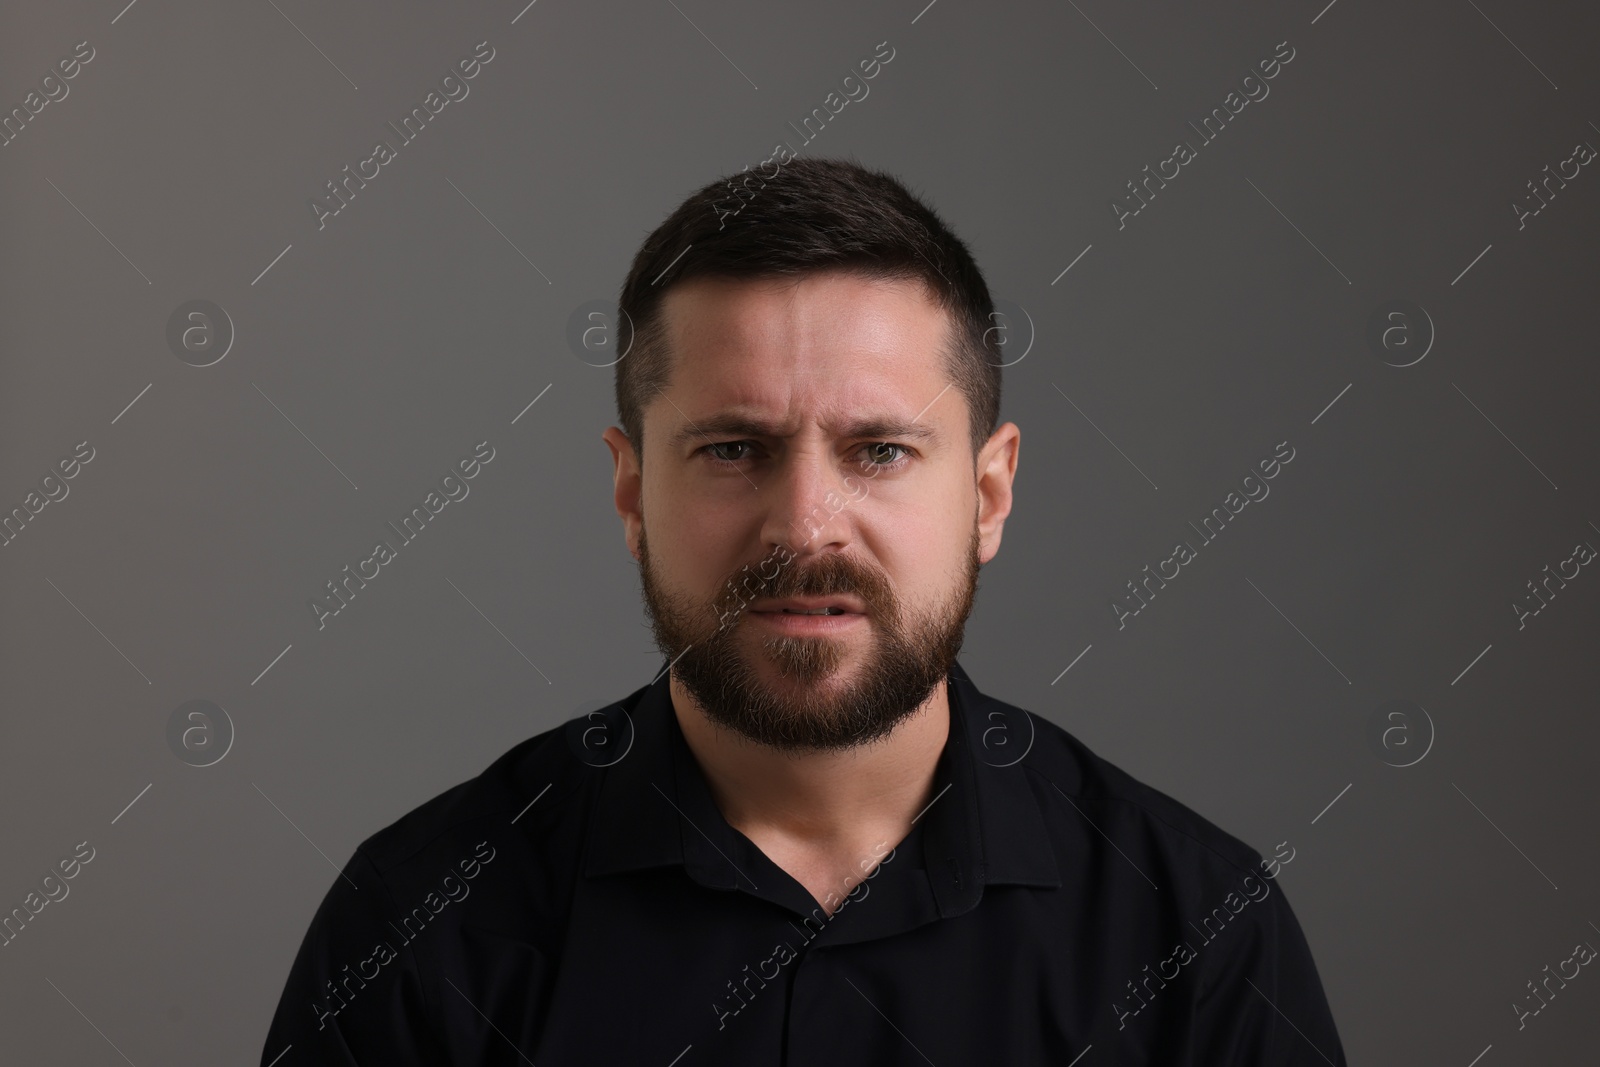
{"type": "Point", "coordinates": [583, 901]}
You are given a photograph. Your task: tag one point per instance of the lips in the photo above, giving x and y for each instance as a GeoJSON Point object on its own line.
{"type": "Point", "coordinates": [811, 605]}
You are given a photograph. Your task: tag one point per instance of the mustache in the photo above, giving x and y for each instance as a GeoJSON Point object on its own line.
{"type": "Point", "coordinates": [777, 577]}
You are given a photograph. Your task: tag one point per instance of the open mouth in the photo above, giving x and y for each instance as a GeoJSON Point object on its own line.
{"type": "Point", "coordinates": [796, 615]}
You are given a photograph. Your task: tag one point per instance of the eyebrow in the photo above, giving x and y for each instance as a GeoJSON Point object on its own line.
{"type": "Point", "coordinates": [724, 424]}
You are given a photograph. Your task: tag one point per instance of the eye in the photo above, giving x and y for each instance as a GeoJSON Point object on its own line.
{"type": "Point", "coordinates": [719, 453]}
{"type": "Point", "coordinates": [874, 454]}
{"type": "Point", "coordinates": [715, 452]}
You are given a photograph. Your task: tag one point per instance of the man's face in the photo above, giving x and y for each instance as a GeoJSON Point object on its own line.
{"type": "Point", "coordinates": [810, 452]}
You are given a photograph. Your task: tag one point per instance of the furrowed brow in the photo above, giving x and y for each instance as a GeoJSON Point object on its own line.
{"type": "Point", "coordinates": [886, 429]}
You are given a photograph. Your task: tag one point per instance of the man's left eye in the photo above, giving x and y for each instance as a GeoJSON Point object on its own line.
{"type": "Point", "coordinates": [901, 451]}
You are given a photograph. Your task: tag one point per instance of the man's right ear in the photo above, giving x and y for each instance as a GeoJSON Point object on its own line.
{"type": "Point", "coordinates": [627, 485]}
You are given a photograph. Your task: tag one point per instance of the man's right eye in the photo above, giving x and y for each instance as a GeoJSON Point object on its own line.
{"type": "Point", "coordinates": [718, 457]}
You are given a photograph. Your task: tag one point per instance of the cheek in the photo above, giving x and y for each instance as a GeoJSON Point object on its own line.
{"type": "Point", "coordinates": [920, 547]}
{"type": "Point", "coordinates": [695, 547]}
{"type": "Point", "coordinates": [920, 554]}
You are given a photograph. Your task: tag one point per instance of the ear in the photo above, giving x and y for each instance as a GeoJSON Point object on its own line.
{"type": "Point", "coordinates": [627, 485]}
{"type": "Point", "coordinates": [996, 470]}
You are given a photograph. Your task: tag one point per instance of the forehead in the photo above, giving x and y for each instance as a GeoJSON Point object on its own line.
{"type": "Point", "coordinates": [833, 346]}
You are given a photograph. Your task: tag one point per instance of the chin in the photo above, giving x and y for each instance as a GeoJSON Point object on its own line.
{"type": "Point", "coordinates": [767, 667]}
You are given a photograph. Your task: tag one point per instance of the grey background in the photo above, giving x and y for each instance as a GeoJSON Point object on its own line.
{"type": "Point", "coordinates": [1210, 328]}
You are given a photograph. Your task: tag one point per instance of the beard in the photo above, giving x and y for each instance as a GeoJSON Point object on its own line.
{"type": "Point", "coordinates": [905, 654]}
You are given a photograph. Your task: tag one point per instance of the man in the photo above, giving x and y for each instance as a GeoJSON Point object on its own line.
{"type": "Point", "coordinates": [811, 839]}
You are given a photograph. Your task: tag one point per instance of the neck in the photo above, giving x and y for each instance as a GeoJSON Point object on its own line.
{"type": "Point", "coordinates": [831, 801]}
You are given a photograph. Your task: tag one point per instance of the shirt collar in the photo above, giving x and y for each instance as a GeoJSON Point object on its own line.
{"type": "Point", "coordinates": [983, 827]}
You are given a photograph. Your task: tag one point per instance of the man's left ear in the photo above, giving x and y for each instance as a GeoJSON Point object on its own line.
{"type": "Point", "coordinates": [996, 469]}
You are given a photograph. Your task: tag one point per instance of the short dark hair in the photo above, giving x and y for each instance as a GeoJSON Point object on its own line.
{"type": "Point", "coordinates": [813, 215]}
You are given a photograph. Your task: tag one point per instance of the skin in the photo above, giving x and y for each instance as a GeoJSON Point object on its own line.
{"type": "Point", "coordinates": [808, 358]}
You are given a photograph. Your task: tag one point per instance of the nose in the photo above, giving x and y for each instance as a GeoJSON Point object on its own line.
{"type": "Point", "coordinates": [807, 499]}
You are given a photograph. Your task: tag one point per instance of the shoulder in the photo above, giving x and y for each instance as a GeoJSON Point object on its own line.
{"type": "Point", "coordinates": [517, 802]}
{"type": "Point", "coordinates": [1078, 790]}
